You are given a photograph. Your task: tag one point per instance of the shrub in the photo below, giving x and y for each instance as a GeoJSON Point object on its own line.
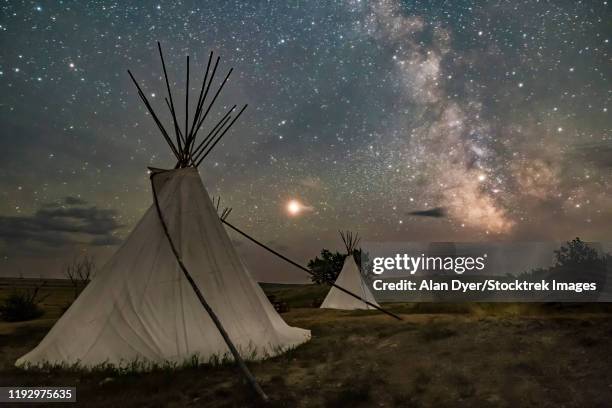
{"type": "Point", "coordinates": [576, 253]}
{"type": "Point", "coordinates": [80, 272]}
{"type": "Point", "coordinates": [22, 305]}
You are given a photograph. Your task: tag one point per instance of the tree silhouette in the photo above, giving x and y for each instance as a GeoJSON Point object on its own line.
{"type": "Point", "coordinates": [577, 252]}
{"type": "Point", "coordinates": [80, 271]}
{"type": "Point", "coordinates": [327, 267]}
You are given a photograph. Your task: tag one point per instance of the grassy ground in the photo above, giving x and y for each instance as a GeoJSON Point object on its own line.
{"type": "Point", "coordinates": [439, 355]}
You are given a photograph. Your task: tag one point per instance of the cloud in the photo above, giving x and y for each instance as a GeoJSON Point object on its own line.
{"type": "Point", "coordinates": [74, 201]}
{"type": "Point", "coordinates": [437, 212]}
{"type": "Point", "coordinates": [54, 226]}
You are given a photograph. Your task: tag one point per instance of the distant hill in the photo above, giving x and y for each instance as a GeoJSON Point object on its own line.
{"type": "Point", "coordinates": [33, 282]}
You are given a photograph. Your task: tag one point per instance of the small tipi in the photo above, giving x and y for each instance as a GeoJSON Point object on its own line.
{"type": "Point", "coordinates": [349, 278]}
{"type": "Point", "coordinates": [146, 303]}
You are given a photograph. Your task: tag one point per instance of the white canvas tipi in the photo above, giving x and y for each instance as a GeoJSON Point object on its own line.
{"type": "Point", "coordinates": [141, 307]}
{"type": "Point", "coordinates": [350, 279]}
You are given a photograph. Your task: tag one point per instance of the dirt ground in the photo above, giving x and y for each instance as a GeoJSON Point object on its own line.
{"type": "Point", "coordinates": [437, 356]}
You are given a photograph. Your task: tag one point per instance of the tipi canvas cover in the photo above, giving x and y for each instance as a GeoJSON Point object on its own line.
{"type": "Point", "coordinates": [350, 279]}
{"type": "Point", "coordinates": [140, 307]}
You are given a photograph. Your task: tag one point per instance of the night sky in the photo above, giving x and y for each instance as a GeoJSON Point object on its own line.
{"type": "Point", "coordinates": [361, 111]}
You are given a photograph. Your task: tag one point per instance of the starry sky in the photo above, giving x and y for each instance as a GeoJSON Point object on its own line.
{"type": "Point", "coordinates": [361, 111]}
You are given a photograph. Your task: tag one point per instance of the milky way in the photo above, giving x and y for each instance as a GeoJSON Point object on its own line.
{"type": "Point", "coordinates": [362, 111]}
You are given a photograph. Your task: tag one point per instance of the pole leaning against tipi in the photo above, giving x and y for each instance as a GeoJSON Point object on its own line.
{"type": "Point", "coordinates": [241, 364]}
{"type": "Point", "coordinates": [297, 265]}
{"type": "Point", "coordinates": [184, 154]}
